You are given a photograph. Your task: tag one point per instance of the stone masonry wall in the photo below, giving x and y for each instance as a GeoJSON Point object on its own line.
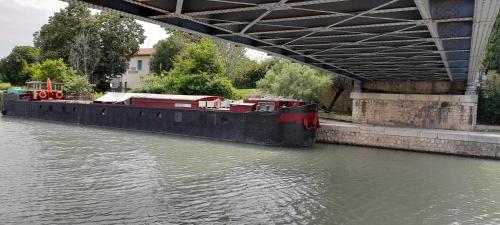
{"type": "Point", "coordinates": [415, 87]}
{"type": "Point", "coordinates": [435, 141]}
{"type": "Point", "coordinates": [454, 112]}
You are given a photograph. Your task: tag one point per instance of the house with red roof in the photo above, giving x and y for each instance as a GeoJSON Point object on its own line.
{"type": "Point", "coordinates": [138, 68]}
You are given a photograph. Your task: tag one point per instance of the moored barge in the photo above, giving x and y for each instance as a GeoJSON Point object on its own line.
{"type": "Point", "coordinates": [277, 122]}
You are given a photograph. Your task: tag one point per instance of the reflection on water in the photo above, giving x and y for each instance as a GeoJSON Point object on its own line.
{"type": "Point", "coordinates": [64, 174]}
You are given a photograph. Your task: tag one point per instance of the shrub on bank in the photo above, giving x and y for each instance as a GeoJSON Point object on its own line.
{"type": "Point", "coordinates": [4, 86]}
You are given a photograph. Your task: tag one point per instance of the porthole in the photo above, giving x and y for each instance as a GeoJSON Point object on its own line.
{"type": "Point", "coordinates": [50, 108]}
{"type": "Point", "coordinates": [158, 115]}
{"type": "Point", "coordinates": [141, 113]}
{"type": "Point", "coordinates": [103, 111]}
{"type": "Point", "coordinates": [74, 109]}
{"type": "Point", "coordinates": [40, 106]}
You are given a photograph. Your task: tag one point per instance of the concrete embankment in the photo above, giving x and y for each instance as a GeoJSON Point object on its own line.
{"type": "Point", "coordinates": [425, 140]}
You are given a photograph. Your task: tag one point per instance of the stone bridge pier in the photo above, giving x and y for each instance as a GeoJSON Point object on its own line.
{"type": "Point", "coordinates": [419, 104]}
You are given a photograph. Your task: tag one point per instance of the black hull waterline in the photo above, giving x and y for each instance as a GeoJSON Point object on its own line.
{"type": "Point", "coordinates": [262, 128]}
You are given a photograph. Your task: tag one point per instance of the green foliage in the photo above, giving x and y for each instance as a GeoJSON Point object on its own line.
{"type": "Point", "coordinates": [166, 51]}
{"type": "Point", "coordinates": [4, 86]}
{"type": "Point", "coordinates": [293, 80]}
{"type": "Point", "coordinates": [198, 58]}
{"type": "Point", "coordinates": [11, 67]}
{"type": "Point", "coordinates": [55, 38]}
{"type": "Point", "coordinates": [492, 59]}
{"type": "Point", "coordinates": [198, 70]}
{"type": "Point", "coordinates": [489, 101]}
{"type": "Point", "coordinates": [56, 70]}
{"type": "Point", "coordinates": [160, 84]}
{"type": "Point", "coordinates": [97, 95]}
{"type": "Point", "coordinates": [99, 46]}
{"type": "Point", "coordinates": [78, 85]}
{"type": "Point", "coordinates": [120, 39]}
{"type": "Point", "coordinates": [247, 93]}
{"type": "Point", "coordinates": [249, 72]}
{"type": "Point", "coordinates": [233, 57]}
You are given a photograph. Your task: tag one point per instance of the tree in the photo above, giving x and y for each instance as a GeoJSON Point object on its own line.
{"type": "Point", "coordinates": [198, 70]}
{"type": "Point", "coordinates": [56, 38]}
{"type": "Point", "coordinates": [492, 59]}
{"type": "Point", "coordinates": [12, 66]}
{"type": "Point", "coordinates": [97, 45]}
{"type": "Point", "coordinates": [294, 80]}
{"type": "Point", "coordinates": [197, 58]}
{"type": "Point", "coordinates": [339, 84]}
{"type": "Point", "coordinates": [56, 70]}
{"type": "Point", "coordinates": [84, 54]}
{"type": "Point", "coordinates": [248, 72]}
{"type": "Point", "coordinates": [120, 40]}
{"type": "Point", "coordinates": [233, 57]}
{"type": "Point", "coordinates": [167, 49]}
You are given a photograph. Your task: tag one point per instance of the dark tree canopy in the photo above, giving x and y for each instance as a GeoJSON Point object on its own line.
{"type": "Point", "coordinates": [99, 46]}
{"type": "Point", "coordinates": [56, 37]}
{"type": "Point", "coordinates": [12, 66]}
{"type": "Point", "coordinates": [120, 39]}
{"type": "Point", "coordinates": [492, 59]}
{"type": "Point", "coordinates": [167, 49]}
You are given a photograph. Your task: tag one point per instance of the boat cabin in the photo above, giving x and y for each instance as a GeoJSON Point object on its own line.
{"type": "Point", "coordinates": [195, 102]}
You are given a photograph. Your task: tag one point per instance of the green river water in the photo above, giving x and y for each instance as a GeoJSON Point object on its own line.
{"type": "Point", "coordinates": [67, 174]}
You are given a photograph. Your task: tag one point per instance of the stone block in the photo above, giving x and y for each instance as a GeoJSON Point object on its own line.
{"type": "Point", "coordinates": [391, 97]}
{"type": "Point", "coordinates": [468, 98]}
{"type": "Point", "coordinates": [401, 132]}
{"type": "Point", "coordinates": [371, 130]}
{"type": "Point", "coordinates": [446, 135]}
{"type": "Point", "coordinates": [485, 138]}
{"type": "Point", "coordinates": [428, 134]}
{"type": "Point", "coordinates": [346, 128]}
{"type": "Point", "coordinates": [449, 98]}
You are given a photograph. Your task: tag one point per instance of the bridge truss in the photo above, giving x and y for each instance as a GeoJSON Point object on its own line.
{"type": "Point", "coordinates": [365, 40]}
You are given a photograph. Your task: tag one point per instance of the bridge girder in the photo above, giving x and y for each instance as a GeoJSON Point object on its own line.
{"type": "Point", "coordinates": [364, 40]}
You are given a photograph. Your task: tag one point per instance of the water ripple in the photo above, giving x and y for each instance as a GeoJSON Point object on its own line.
{"type": "Point", "coordinates": [63, 174]}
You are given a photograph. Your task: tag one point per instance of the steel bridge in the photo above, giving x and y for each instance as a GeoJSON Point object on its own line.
{"type": "Point", "coordinates": [365, 40]}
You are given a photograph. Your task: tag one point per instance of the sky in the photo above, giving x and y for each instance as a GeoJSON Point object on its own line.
{"type": "Point", "coordinates": [19, 19]}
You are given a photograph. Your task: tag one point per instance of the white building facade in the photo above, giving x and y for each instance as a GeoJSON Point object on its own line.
{"type": "Point", "coordinates": [138, 68]}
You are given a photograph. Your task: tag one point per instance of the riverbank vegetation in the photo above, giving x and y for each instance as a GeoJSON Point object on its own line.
{"type": "Point", "coordinates": [82, 49]}
{"type": "Point", "coordinates": [489, 100]}
{"type": "Point", "coordinates": [489, 91]}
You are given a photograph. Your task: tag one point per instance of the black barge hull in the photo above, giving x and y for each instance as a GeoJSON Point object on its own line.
{"type": "Point", "coordinates": [262, 128]}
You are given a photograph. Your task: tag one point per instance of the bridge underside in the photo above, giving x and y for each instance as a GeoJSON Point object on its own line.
{"type": "Point", "coordinates": [366, 40]}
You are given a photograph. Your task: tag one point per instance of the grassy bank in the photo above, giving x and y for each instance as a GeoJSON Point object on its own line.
{"type": "Point", "coordinates": [247, 93]}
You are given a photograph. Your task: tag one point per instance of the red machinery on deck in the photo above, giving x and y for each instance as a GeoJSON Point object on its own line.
{"type": "Point", "coordinates": [38, 90]}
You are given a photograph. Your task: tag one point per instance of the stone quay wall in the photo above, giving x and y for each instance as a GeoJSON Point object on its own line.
{"type": "Point", "coordinates": [454, 112]}
{"type": "Point", "coordinates": [416, 87]}
{"type": "Point", "coordinates": [423, 140]}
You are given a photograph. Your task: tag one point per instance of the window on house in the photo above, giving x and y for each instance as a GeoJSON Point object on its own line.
{"type": "Point", "coordinates": [139, 64]}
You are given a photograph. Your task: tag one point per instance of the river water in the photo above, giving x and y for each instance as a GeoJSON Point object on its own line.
{"type": "Point", "coordinates": [68, 174]}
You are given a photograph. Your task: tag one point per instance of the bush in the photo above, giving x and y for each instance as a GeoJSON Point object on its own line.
{"type": "Point", "coordinates": [198, 70]}
{"type": "Point", "coordinates": [292, 80]}
{"type": "Point", "coordinates": [78, 85]}
{"type": "Point", "coordinates": [4, 86]}
{"type": "Point", "coordinates": [159, 84]}
{"type": "Point", "coordinates": [489, 101]}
